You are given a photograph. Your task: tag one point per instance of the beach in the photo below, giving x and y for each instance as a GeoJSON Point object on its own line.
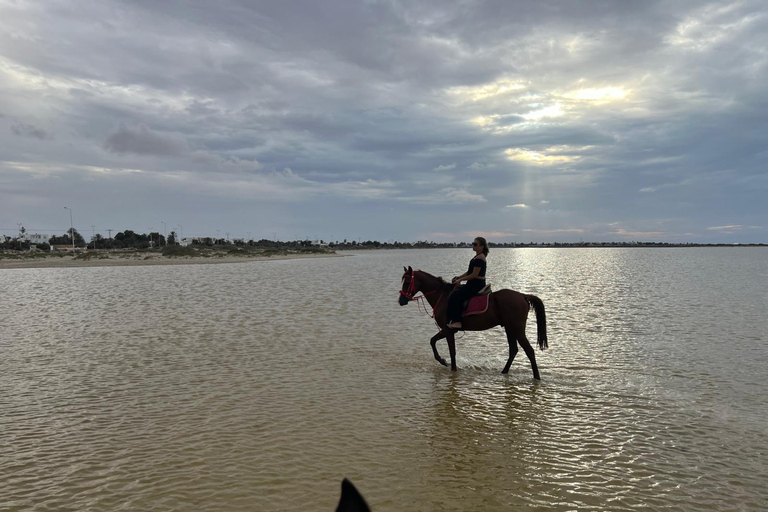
{"type": "Point", "coordinates": [130, 259]}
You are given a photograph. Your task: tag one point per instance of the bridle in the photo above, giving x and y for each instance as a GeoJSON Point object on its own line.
{"type": "Point", "coordinates": [410, 293]}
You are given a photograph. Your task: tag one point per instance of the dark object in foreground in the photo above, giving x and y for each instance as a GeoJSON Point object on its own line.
{"type": "Point", "coordinates": [351, 500]}
{"type": "Point", "coordinates": [507, 308]}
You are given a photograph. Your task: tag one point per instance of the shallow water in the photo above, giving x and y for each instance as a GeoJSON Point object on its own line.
{"type": "Point", "coordinates": [259, 386]}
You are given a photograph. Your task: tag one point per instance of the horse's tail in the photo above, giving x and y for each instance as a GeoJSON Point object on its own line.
{"type": "Point", "coordinates": [541, 320]}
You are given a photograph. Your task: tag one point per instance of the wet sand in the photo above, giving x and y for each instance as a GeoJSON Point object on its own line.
{"type": "Point", "coordinates": [138, 259]}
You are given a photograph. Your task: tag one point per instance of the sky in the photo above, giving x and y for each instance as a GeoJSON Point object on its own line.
{"type": "Point", "coordinates": [387, 120]}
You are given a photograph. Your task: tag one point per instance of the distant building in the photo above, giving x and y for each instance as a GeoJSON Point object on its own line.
{"type": "Point", "coordinates": [36, 238]}
{"type": "Point", "coordinates": [185, 242]}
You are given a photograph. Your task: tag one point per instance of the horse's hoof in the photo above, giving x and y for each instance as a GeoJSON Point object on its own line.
{"type": "Point", "coordinates": [444, 362]}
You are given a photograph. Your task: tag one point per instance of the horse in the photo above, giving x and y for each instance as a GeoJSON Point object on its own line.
{"type": "Point", "coordinates": [351, 500]}
{"type": "Point", "coordinates": [506, 308]}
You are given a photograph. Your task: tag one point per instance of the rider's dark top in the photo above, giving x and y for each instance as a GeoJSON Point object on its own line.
{"type": "Point", "coordinates": [477, 262]}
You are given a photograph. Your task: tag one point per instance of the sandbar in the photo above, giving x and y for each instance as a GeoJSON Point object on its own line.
{"type": "Point", "coordinates": [139, 259]}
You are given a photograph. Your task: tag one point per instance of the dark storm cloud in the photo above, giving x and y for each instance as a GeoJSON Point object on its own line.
{"type": "Point", "coordinates": [28, 130]}
{"type": "Point", "coordinates": [589, 113]}
{"type": "Point", "coordinates": [143, 141]}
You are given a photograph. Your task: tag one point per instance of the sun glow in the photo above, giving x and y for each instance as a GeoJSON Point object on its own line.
{"type": "Point", "coordinates": [484, 120]}
{"type": "Point", "coordinates": [597, 95]}
{"type": "Point", "coordinates": [551, 111]}
{"type": "Point", "coordinates": [491, 90]}
{"type": "Point", "coordinates": [550, 156]}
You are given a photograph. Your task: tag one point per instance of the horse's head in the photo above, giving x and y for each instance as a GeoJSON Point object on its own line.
{"type": "Point", "coordinates": [351, 499]}
{"type": "Point", "coordinates": [410, 286]}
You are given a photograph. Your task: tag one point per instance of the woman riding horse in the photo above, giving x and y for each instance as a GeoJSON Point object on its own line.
{"type": "Point", "coordinates": [475, 278]}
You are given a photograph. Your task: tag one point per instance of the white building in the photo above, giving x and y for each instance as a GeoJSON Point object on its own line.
{"type": "Point", "coordinates": [37, 238]}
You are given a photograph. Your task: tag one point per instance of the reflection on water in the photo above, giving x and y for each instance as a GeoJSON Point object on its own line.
{"type": "Point", "coordinates": [258, 386]}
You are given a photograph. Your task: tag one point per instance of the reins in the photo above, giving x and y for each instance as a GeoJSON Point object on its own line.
{"type": "Point", "coordinates": [409, 294]}
{"type": "Point", "coordinates": [422, 307]}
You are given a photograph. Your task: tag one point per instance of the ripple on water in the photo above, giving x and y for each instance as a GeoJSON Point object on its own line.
{"type": "Point", "coordinates": [258, 386]}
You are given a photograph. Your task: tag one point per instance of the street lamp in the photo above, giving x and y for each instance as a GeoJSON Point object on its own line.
{"type": "Point", "coordinates": [71, 228]}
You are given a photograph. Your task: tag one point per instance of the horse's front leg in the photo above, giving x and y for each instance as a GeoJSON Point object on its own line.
{"type": "Point", "coordinates": [452, 349]}
{"type": "Point", "coordinates": [437, 337]}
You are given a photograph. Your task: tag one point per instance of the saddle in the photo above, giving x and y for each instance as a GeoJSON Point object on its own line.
{"type": "Point", "coordinates": [479, 303]}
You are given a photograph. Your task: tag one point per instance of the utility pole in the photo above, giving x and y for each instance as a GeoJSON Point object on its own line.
{"type": "Point", "coordinates": [110, 233]}
{"type": "Point", "coordinates": [71, 228]}
{"type": "Point", "coordinates": [93, 236]}
{"type": "Point", "coordinates": [165, 229]}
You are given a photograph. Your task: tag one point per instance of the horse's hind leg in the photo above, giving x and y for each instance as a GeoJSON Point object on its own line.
{"type": "Point", "coordinates": [437, 337]}
{"type": "Point", "coordinates": [529, 352]}
{"type": "Point", "coordinates": [512, 350]}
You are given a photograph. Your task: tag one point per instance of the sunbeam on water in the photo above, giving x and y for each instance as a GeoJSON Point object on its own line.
{"type": "Point", "coordinates": [259, 386]}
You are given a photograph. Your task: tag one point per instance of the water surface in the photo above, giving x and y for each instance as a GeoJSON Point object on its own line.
{"type": "Point", "coordinates": [259, 386]}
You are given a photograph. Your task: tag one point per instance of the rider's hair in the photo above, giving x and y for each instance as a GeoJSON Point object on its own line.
{"type": "Point", "coordinates": [484, 243]}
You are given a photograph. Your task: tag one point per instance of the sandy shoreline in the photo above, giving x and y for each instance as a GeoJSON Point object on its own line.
{"type": "Point", "coordinates": [113, 260]}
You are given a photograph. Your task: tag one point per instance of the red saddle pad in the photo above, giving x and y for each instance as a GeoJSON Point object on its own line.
{"type": "Point", "coordinates": [477, 305]}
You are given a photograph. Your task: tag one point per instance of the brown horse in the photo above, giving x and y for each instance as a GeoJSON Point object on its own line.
{"type": "Point", "coordinates": [507, 308]}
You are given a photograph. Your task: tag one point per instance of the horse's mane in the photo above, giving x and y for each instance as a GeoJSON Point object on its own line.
{"type": "Point", "coordinates": [442, 281]}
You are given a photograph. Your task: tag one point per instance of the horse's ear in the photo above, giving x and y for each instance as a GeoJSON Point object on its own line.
{"type": "Point", "coordinates": [410, 269]}
{"type": "Point", "coordinates": [351, 500]}
{"type": "Point", "coordinates": [405, 269]}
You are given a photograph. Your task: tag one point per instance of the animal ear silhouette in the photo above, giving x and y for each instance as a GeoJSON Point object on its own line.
{"type": "Point", "coordinates": [410, 269]}
{"type": "Point", "coordinates": [405, 269]}
{"type": "Point", "coordinates": [351, 500]}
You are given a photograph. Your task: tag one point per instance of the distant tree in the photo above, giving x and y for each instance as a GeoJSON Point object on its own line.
{"type": "Point", "coordinates": [79, 240]}
{"type": "Point", "coordinates": [172, 238]}
{"type": "Point", "coordinates": [98, 241]}
{"type": "Point", "coordinates": [67, 239]}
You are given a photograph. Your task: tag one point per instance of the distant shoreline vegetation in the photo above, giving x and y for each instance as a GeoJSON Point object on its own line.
{"type": "Point", "coordinates": [174, 246]}
{"type": "Point", "coordinates": [516, 245]}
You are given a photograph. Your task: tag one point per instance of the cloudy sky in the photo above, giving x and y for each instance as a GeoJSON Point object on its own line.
{"type": "Point", "coordinates": [430, 120]}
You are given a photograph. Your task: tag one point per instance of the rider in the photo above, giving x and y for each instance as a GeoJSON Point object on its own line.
{"type": "Point", "coordinates": [475, 278]}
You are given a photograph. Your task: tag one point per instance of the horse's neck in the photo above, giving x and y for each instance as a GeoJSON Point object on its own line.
{"type": "Point", "coordinates": [432, 289]}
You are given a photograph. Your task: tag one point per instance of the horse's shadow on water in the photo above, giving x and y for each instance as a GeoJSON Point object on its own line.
{"type": "Point", "coordinates": [475, 402]}
{"type": "Point", "coordinates": [460, 410]}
